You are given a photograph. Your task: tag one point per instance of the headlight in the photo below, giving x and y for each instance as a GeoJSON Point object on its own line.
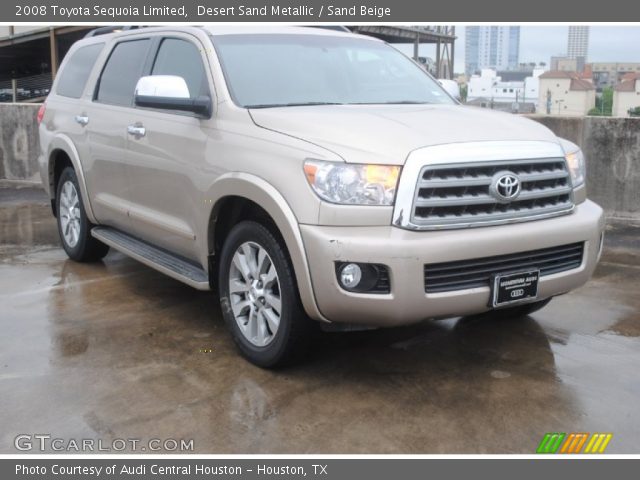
{"type": "Point", "coordinates": [352, 184]}
{"type": "Point", "coordinates": [576, 166]}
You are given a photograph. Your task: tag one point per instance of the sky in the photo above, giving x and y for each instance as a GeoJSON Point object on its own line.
{"type": "Point", "coordinates": [538, 44]}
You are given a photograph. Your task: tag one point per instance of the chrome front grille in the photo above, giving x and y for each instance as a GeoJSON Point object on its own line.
{"type": "Point", "coordinates": [463, 194]}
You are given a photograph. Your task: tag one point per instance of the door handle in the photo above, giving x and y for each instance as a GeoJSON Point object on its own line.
{"type": "Point", "coordinates": [82, 120]}
{"type": "Point", "coordinates": [137, 131]}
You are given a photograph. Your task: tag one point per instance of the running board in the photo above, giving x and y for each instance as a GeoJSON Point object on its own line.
{"type": "Point", "coordinates": [163, 261]}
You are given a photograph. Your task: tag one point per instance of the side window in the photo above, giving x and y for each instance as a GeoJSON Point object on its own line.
{"type": "Point", "coordinates": [183, 59]}
{"type": "Point", "coordinates": [122, 72]}
{"type": "Point", "coordinates": [77, 69]}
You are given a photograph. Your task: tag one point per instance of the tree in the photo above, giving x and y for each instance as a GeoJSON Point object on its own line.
{"type": "Point", "coordinates": [464, 90]}
{"type": "Point", "coordinates": [604, 103]}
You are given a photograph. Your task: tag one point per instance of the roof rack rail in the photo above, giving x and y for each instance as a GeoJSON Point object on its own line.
{"type": "Point", "coordinates": [110, 29]}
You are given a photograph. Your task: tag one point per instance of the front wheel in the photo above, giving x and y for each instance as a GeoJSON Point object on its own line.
{"type": "Point", "coordinates": [259, 297]}
{"type": "Point", "coordinates": [73, 225]}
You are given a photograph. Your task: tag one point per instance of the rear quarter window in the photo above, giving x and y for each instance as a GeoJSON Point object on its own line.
{"type": "Point", "coordinates": [75, 73]}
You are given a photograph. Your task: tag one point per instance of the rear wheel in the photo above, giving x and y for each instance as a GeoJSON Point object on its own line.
{"type": "Point", "coordinates": [73, 225]}
{"type": "Point", "coordinates": [259, 297]}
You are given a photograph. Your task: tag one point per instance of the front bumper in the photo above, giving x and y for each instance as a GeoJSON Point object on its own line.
{"type": "Point", "coordinates": [406, 252]}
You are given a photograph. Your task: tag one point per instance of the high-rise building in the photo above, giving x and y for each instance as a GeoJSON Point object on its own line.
{"type": "Point", "coordinates": [491, 47]}
{"type": "Point", "coordinates": [578, 41]}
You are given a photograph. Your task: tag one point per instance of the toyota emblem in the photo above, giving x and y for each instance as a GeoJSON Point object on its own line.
{"type": "Point", "coordinates": [505, 186]}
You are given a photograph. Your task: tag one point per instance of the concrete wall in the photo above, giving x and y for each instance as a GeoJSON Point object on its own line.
{"type": "Point", "coordinates": [19, 142]}
{"type": "Point", "coordinates": [612, 150]}
{"type": "Point", "coordinates": [611, 146]}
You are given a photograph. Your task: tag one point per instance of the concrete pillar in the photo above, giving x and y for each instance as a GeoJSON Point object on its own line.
{"type": "Point", "coordinates": [451, 59]}
{"type": "Point", "coordinates": [14, 89]}
{"type": "Point", "coordinates": [53, 43]}
{"type": "Point", "coordinates": [416, 48]}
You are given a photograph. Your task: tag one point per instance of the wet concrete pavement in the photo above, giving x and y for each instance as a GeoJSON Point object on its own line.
{"type": "Point", "coordinates": [116, 350]}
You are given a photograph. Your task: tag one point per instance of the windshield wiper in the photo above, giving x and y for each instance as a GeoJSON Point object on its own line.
{"type": "Point", "coordinates": [302, 104]}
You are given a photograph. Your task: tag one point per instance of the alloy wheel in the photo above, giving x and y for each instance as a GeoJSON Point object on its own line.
{"type": "Point", "coordinates": [254, 293]}
{"type": "Point", "coordinates": [70, 214]}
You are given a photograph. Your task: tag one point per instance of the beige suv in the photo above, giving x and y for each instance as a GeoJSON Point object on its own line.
{"type": "Point", "coordinates": [309, 174]}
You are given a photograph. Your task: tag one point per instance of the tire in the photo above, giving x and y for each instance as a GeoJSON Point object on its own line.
{"type": "Point", "coordinates": [74, 227]}
{"type": "Point", "coordinates": [250, 296]}
{"type": "Point", "coordinates": [520, 310]}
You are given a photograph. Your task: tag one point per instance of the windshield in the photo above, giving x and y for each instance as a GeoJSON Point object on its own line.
{"type": "Point", "coordinates": [270, 70]}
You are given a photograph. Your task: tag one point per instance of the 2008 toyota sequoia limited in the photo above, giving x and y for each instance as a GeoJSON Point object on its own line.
{"type": "Point", "coordinates": [309, 174]}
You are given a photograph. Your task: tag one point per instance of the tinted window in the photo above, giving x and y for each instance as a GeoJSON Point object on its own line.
{"type": "Point", "coordinates": [122, 72]}
{"type": "Point", "coordinates": [268, 70]}
{"type": "Point", "coordinates": [74, 76]}
{"type": "Point", "coordinates": [182, 58]}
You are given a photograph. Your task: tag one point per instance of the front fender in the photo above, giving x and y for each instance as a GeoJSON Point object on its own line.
{"type": "Point", "coordinates": [271, 200]}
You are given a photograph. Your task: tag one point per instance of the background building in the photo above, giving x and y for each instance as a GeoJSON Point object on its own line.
{"type": "Point", "coordinates": [578, 42]}
{"type": "Point", "coordinates": [565, 93]}
{"type": "Point", "coordinates": [494, 47]}
{"type": "Point", "coordinates": [626, 95]}
{"type": "Point", "coordinates": [29, 59]}
{"type": "Point", "coordinates": [566, 64]}
{"type": "Point", "coordinates": [609, 74]}
{"type": "Point", "coordinates": [508, 91]}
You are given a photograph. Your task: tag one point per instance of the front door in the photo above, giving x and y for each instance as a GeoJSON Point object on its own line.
{"type": "Point", "coordinates": [166, 152]}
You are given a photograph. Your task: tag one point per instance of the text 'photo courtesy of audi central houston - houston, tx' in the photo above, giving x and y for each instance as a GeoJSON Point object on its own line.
{"type": "Point", "coordinates": [310, 177]}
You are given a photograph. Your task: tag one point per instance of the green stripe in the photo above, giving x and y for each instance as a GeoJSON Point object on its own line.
{"type": "Point", "coordinates": [551, 442]}
{"type": "Point", "coordinates": [543, 443]}
{"type": "Point", "coordinates": [555, 448]}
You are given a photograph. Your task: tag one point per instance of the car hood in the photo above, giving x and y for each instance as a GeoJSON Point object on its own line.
{"type": "Point", "coordinates": [386, 134]}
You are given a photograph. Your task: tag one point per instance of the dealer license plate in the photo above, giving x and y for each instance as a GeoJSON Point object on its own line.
{"type": "Point", "coordinates": [515, 287]}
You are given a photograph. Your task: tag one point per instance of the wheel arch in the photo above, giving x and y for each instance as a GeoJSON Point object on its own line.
{"type": "Point", "coordinates": [242, 190]}
{"type": "Point", "coordinates": [62, 152]}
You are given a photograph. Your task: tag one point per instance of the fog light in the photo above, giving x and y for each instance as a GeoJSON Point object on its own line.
{"type": "Point", "coordinates": [363, 277]}
{"type": "Point", "coordinates": [350, 276]}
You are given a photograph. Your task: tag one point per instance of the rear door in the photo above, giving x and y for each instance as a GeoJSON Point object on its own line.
{"type": "Point", "coordinates": [164, 162]}
{"type": "Point", "coordinates": [107, 119]}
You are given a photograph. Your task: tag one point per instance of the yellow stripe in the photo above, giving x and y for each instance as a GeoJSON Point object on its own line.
{"type": "Point", "coordinates": [567, 442]}
{"type": "Point", "coordinates": [605, 443]}
{"type": "Point", "coordinates": [590, 444]}
{"type": "Point", "coordinates": [598, 442]}
{"type": "Point", "coordinates": [583, 438]}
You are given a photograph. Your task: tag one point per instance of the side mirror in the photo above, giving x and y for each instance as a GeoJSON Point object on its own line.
{"type": "Point", "coordinates": [451, 87]}
{"type": "Point", "coordinates": [170, 92]}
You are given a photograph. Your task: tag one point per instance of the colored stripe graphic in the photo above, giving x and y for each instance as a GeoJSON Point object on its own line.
{"type": "Point", "coordinates": [598, 443]}
{"type": "Point", "coordinates": [573, 443]}
{"type": "Point", "coordinates": [568, 443]}
{"type": "Point", "coordinates": [581, 442]}
{"type": "Point", "coordinates": [550, 443]}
